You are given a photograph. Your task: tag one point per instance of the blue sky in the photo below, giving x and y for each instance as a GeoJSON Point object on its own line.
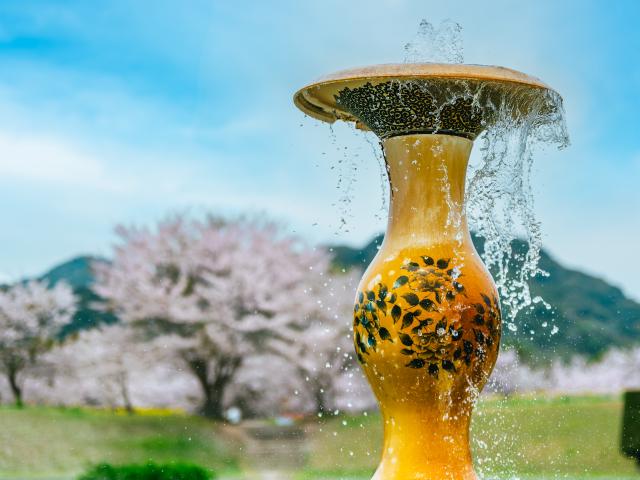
{"type": "Point", "coordinates": [120, 111]}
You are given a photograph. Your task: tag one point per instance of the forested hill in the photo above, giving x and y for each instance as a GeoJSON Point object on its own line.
{"type": "Point", "coordinates": [78, 273]}
{"type": "Point", "coordinates": [590, 314]}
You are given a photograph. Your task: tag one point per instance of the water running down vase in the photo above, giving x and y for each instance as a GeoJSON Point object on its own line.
{"type": "Point", "coordinates": [427, 317]}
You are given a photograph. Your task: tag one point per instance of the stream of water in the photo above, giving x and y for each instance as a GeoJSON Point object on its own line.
{"type": "Point", "coordinates": [499, 199]}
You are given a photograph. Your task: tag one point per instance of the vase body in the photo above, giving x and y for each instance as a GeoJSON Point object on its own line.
{"type": "Point", "coordinates": [427, 315]}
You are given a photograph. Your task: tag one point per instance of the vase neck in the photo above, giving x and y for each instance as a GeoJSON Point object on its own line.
{"type": "Point", "coordinates": [427, 175]}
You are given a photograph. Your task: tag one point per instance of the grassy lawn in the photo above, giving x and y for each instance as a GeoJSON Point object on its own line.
{"type": "Point", "coordinates": [50, 442]}
{"type": "Point", "coordinates": [568, 437]}
{"type": "Point", "coordinates": [565, 437]}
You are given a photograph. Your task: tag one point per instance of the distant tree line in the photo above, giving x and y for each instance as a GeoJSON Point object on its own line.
{"type": "Point", "coordinates": [205, 296]}
{"type": "Point", "coordinates": [215, 314]}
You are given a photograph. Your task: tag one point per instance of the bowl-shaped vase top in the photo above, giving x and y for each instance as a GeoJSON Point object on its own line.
{"type": "Point", "coordinates": [401, 99]}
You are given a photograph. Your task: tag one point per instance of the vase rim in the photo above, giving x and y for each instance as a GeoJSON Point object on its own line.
{"type": "Point", "coordinates": [318, 99]}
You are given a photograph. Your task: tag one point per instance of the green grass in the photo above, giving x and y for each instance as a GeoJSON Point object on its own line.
{"type": "Point", "coordinates": [542, 438]}
{"type": "Point", "coordinates": [574, 436]}
{"type": "Point", "coordinates": [50, 442]}
{"type": "Point", "coordinates": [532, 438]}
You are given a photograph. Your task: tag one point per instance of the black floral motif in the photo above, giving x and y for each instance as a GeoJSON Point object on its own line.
{"type": "Point", "coordinates": [418, 313]}
{"type": "Point", "coordinates": [394, 108]}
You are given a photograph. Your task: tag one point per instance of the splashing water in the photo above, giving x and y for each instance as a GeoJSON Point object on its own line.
{"type": "Point", "coordinates": [349, 163]}
{"type": "Point", "coordinates": [347, 179]}
{"type": "Point", "coordinates": [499, 203]}
{"type": "Point", "coordinates": [439, 45]}
{"type": "Point", "coordinates": [500, 206]}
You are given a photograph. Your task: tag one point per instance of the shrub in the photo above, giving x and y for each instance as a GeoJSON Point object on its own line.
{"type": "Point", "coordinates": [150, 471]}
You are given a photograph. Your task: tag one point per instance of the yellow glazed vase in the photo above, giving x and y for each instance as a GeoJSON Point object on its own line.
{"type": "Point", "coordinates": [427, 315]}
{"type": "Point", "coordinates": [427, 318]}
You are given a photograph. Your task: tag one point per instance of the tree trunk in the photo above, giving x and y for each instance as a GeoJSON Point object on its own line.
{"type": "Point", "coordinates": [213, 406]}
{"type": "Point", "coordinates": [214, 382]}
{"type": "Point", "coordinates": [320, 396]}
{"type": "Point", "coordinates": [12, 377]}
{"type": "Point", "coordinates": [124, 391]}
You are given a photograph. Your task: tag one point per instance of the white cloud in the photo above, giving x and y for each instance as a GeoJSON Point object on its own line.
{"type": "Point", "coordinates": [46, 159]}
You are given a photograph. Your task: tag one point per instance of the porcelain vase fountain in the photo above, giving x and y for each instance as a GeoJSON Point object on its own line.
{"type": "Point", "coordinates": [427, 316]}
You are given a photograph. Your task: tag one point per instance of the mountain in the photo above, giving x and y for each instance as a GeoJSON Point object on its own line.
{"type": "Point", "coordinates": [590, 315]}
{"type": "Point", "coordinates": [78, 274]}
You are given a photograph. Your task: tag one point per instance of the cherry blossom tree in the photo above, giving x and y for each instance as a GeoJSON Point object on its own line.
{"type": "Point", "coordinates": [323, 351]}
{"type": "Point", "coordinates": [616, 371]}
{"type": "Point", "coordinates": [267, 385]}
{"type": "Point", "coordinates": [213, 292]}
{"type": "Point", "coordinates": [106, 355]}
{"type": "Point", "coordinates": [31, 315]}
{"type": "Point", "coordinates": [111, 366]}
